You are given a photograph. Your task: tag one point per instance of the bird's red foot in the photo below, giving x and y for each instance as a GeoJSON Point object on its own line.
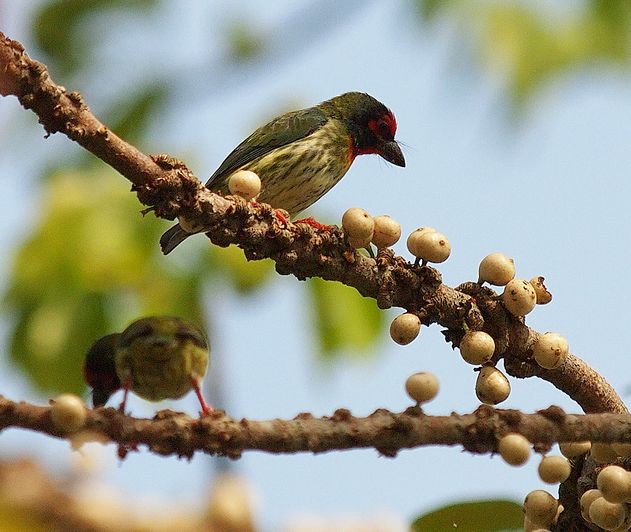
{"type": "Point", "coordinates": [206, 408]}
{"type": "Point", "coordinates": [314, 223]}
{"type": "Point", "coordinates": [280, 216]}
{"type": "Point", "coordinates": [126, 387]}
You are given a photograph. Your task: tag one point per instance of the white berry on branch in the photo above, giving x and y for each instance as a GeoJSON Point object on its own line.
{"type": "Point", "coordinates": [519, 297]}
{"type": "Point", "coordinates": [245, 183]}
{"type": "Point", "coordinates": [422, 387]}
{"type": "Point", "coordinates": [496, 269]}
{"type": "Point", "coordinates": [405, 328]}
{"type": "Point", "coordinates": [387, 231]}
{"type": "Point", "coordinates": [492, 386]}
{"type": "Point", "coordinates": [477, 347]}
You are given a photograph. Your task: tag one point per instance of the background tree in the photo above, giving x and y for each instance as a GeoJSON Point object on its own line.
{"type": "Point", "coordinates": [60, 296]}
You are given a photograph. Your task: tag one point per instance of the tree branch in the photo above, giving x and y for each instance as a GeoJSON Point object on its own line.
{"type": "Point", "coordinates": [170, 189]}
{"type": "Point", "coordinates": [173, 433]}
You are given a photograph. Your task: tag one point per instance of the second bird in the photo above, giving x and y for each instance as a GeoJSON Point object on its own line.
{"type": "Point", "coordinates": [301, 155]}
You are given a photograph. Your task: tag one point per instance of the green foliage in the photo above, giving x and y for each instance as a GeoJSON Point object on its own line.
{"type": "Point", "coordinates": [59, 29]}
{"type": "Point", "coordinates": [532, 45]}
{"type": "Point", "coordinates": [481, 516]}
{"type": "Point", "coordinates": [244, 277]}
{"type": "Point", "coordinates": [130, 118]}
{"type": "Point", "coordinates": [90, 267]}
{"type": "Point", "coordinates": [243, 42]}
{"type": "Point", "coordinates": [343, 318]}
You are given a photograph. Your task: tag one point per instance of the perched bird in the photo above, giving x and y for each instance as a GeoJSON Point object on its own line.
{"type": "Point", "coordinates": [159, 357]}
{"type": "Point", "coordinates": [301, 155]}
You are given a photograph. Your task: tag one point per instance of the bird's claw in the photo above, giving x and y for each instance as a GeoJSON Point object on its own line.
{"type": "Point", "coordinates": [315, 224]}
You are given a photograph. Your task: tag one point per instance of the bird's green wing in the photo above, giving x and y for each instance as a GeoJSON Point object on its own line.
{"type": "Point", "coordinates": [283, 130]}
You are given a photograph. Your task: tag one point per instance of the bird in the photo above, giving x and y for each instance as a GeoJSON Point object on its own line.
{"type": "Point", "coordinates": [300, 155]}
{"type": "Point", "coordinates": [156, 357]}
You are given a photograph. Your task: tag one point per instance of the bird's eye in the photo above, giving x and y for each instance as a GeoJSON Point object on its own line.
{"type": "Point", "coordinates": [384, 129]}
{"type": "Point", "coordinates": [134, 331]}
{"type": "Point", "coordinates": [195, 336]}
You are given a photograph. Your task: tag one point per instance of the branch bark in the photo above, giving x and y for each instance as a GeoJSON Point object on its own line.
{"type": "Point", "coordinates": [174, 433]}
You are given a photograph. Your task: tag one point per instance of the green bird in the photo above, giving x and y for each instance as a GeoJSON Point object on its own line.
{"type": "Point", "coordinates": [159, 357]}
{"type": "Point", "coordinates": [301, 155]}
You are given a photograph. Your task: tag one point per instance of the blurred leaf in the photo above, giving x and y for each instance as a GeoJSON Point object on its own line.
{"type": "Point", "coordinates": [91, 266]}
{"type": "Point", "coordinates": [130, 118]}
{"type": "Point", "coordinates": [430, 9]}
{"type": "Point", "coordinates": [343, 318]}
{"type": "Point", "coordinates": [243, 42]}
{"type": "Point", "coordinates": [531, 44]}
{"type": "Point", "coordinates": [481, 516]}
{"type": "Point", "coordinates": [15, 519]}
{"type": "Point", "coordinates": [57, 28]}
{"type": "Point", "coordinates": [245, 276]}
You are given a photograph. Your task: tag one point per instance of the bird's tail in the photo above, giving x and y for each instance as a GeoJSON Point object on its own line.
{"type": "Point", "coordinates": [173, 238]}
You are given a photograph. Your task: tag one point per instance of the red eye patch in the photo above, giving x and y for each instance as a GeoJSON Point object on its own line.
{"type": "Point", "coordinates": [384, 127]}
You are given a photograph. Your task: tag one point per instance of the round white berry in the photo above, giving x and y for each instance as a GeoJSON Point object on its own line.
{"type": "Point", "coordinates": [387, 231]}
{"type": "Point", "coordinates": [358, 243]}
{"type": "Point", "coordinates": [412, 241]}
{"type": "Point", "coordinates": [358, 224]}
{"type": "Point", "coordinates": [573, 449]}
{"type": "Point", "coordinates": [68, 412]}
{"type": "Point", "coordinates": [496, 269]}
{"type": "Point", "coordinates": [244, 183]}
{"type": "Point", "coordinates": [477, 347]}
{"type": "Point", "coordinates": [540, 507]}
{"type": "Point", "coordinates": [550, 350]}
{"type": "Point", "coordinates": [492, 386]}
{"type": "Point", "coordinates": [514, 449]}
{"type": "Point", "coordinates": [554, 469]}
{"type": "Point", "coordinates": [543, 296]}
{"type": "Point", "coordinates": [430, 246]}
{"type": "Point", "coordinates": [586, 501]}
{"type": "Point", "coordinates": [607, 515]}
{"type": "Point", "coordinates": [422, 387]}
{"type": "Point", "coordinates": [614, 482]}
{"type": "Point", "coordinates": [405, 328]}
{"type": "Point", "coordinates": [519, 297]}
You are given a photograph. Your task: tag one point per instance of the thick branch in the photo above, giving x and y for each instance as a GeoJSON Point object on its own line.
{"type": "Point", "coordinates": [172, 433]}
{"type": "Point", "coordinates": [171, 190]}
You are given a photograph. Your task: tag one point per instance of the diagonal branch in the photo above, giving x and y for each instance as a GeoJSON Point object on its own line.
{"type": "Point", "coordinates": [170, 189]}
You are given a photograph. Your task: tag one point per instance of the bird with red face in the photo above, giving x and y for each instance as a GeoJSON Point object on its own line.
{"type": "Point", "coordinates": [301, 155]}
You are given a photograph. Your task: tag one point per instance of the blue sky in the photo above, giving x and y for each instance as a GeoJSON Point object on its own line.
{"type": "Point", "coordinates": [552, 193]}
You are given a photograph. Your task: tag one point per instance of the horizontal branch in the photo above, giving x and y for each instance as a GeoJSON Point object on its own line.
{"type": "Point", "coordinates": [170, 189]}
{"type": "Point", "coordinates": [173, 433]}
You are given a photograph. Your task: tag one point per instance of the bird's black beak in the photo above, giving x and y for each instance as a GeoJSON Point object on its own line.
{"type": "Point", "coordinates": [391, 152]}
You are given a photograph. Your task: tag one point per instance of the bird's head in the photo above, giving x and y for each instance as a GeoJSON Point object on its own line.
{"type": "Point", "coordinates": [99, 370]}
{"type": "Point", "coordinates": [161, 335]}
{"type": "Point", "coordinates": [371, 124]}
